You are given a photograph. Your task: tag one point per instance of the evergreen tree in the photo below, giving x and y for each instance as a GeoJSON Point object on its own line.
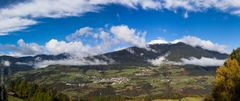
{"type": "Point", "coordinates": [3, 94]}
{"type": "Point", "coordinates": [33, 92]}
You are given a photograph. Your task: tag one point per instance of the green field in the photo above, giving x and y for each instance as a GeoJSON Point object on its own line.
{"type": "Point", "coordinates": [11, 98]}
{"type": "Point", "coordinates": [157, 82]}
{"type": "Point", "coordinates": [183, 99]}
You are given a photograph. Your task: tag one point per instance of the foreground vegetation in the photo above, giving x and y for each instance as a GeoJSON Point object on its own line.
{"type": "Point", "coordinates": [32, 92]}
{"type": "Point", "coordinates": [12, 98]}
{"type": "Point", "coordinates": [227, 83]}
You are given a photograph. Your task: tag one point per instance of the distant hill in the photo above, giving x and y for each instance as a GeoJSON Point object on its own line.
{"type": "Point", "coordinates": [27, 63]}
{"type": "Point", "coordinates": [173, 52]}
{"type": "Point", "coordinates": [130, 56]}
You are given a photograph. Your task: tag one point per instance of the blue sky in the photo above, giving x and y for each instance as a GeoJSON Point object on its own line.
{"type": "Point", "coordinates": [216, 24]}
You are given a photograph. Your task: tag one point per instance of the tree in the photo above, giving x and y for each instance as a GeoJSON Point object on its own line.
{"type": "Point", "coordinates": [3, 94]}
{"type": "Point", "coordinates": [33, 92]}
{"type": "Point", "coordinates": [227, 83]}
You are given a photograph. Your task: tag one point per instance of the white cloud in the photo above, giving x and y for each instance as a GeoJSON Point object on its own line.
{"type": "Point", "coordinates": [30, 48]}
{"type": "Point", "coordinates": [71, 62]}
{"type": "Point", "coordinates": [75, 48]}
{"type": "Point", "coordinates": [26, 13]}
{"type": "Point", "coordinates": [106, 40]}
{"type": "Point", "coordinates": [195, 42]}
{"type": "Point", "coordinates": [158, 41]}
{"type": "Point", "coordinates": [24, 49]}
{"type": "Point", "coordinates": [145, 4]}
{"type": "Point", "coordinates": [158, 61]}
{"type": "Point", "coordinates": [150, 4]}
{"type": "Point", "coordinates": [205, 44]}
{"type": "Point", "coordinates": [103, 41]}
{"type": "Point", "coordinates": [174, 4]}
{"type": "Point", "coordinates": [129, 35]}
{"type": "Point", "coordinates": [14, 24]}
{"type": "Point", "coordinates": [82, 31]}
{"type": "Point", "coordinates": [130, 51]}
{"type": "Point", "coordinates": [202, 61]}
{"type": "Point", "coordinates": [6, 63]}
{"type": "Point", "coordinates": [49, 8]}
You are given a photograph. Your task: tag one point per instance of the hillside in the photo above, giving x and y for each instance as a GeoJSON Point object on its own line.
{"type": "Point", "coordinates": [174, 52]}
{"type": "Point", "coordinates": [132, 56]}
{"type": "Point", "coordinates": [130, 75]}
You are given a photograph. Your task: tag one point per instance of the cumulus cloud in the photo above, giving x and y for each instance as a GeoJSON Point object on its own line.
{"type": "Point", "coordinates": [75, 48]}
{"type": "Point", "coordinates": [129, 35]}
{"type": "Point", "coordinates": [105, 40]}
{"type": "Point", "coordinates": [117, 35]}
{"type": "Point", "coordinates": [24, 49]}
{"type": "Point", "coordinates": [29, 48]}
{"type": "Point", "coordinates": [57, 47]}
{"type": "Point", "coordinates": [203, 61]}
{"type": "Point", "coordinates": [205, 44]}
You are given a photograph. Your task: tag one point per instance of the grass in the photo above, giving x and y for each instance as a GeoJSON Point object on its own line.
{"type": "Point", "coordinates": [184, 99]}
{"type": "Point", "coordinates": [12, 98]}
{"type": "Point", "coordinates": [59, 76]}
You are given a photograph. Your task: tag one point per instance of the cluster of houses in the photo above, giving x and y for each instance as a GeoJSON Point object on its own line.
{"type": "Point", "coordinates": [114, 80]}
{"type": "Point", "coordinates": [72, 84]}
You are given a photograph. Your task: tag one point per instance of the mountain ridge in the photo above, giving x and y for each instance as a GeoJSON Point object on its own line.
{"type": "Point", "coordinates": [129, 56]}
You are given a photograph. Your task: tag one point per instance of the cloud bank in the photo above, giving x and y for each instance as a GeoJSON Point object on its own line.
{"type": "Point", "coordinates": [203, 61]}
{"type": "Point", "coordinates": [5, 63]}
{"type": "Point", "coordinates": [69, 62]}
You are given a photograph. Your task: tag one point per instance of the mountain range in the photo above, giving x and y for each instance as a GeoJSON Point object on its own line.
{"type": "Point", "coordinates": [132, 56]}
